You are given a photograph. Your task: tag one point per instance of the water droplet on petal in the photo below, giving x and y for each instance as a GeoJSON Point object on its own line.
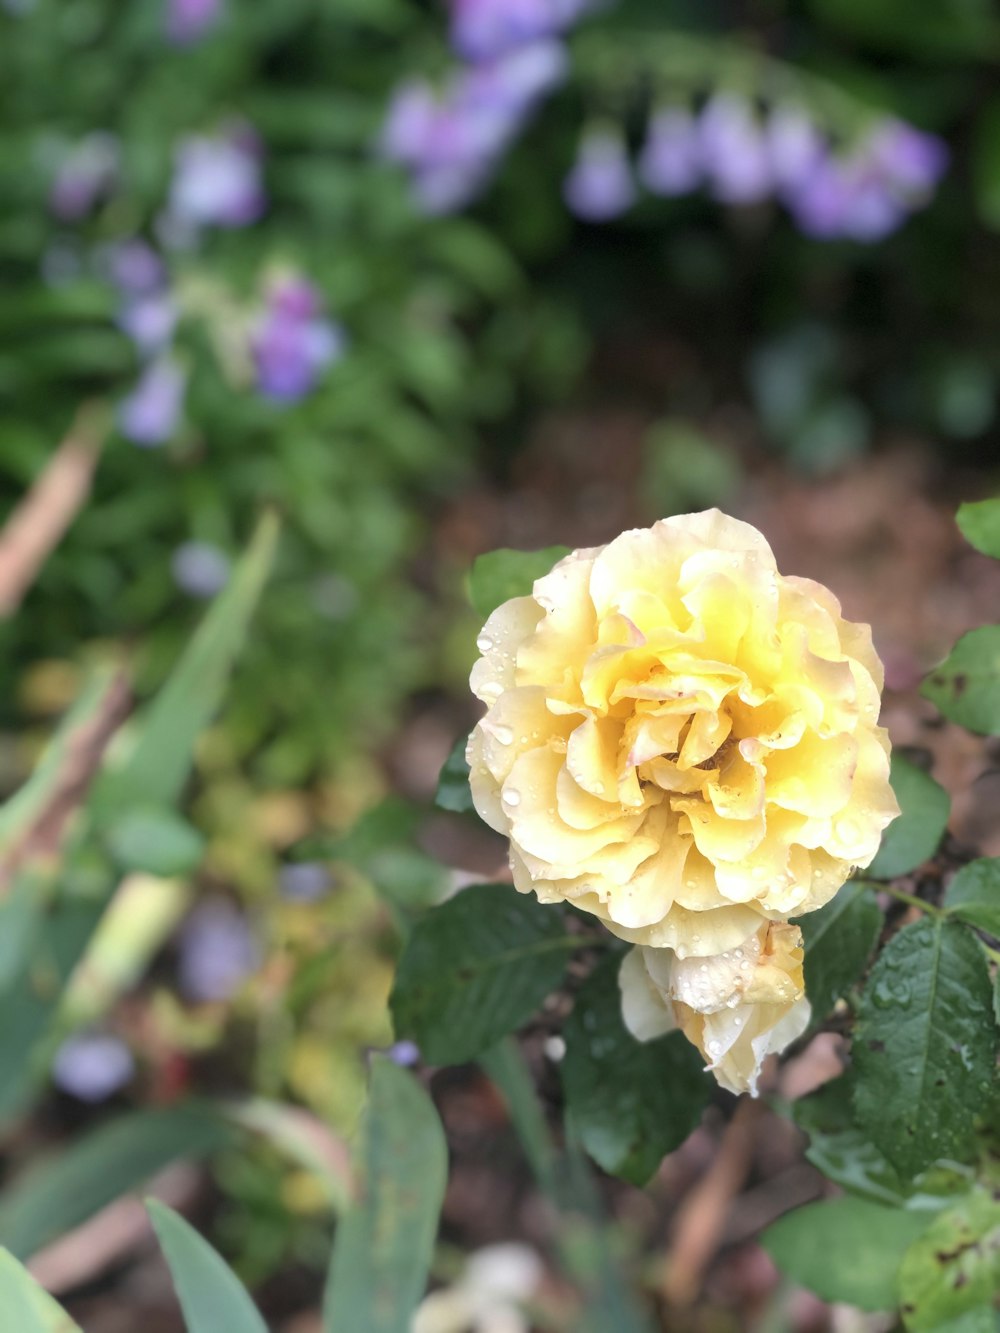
{"type": "Point", "coordinates": [512, 797]}
{"type": "Point", "coordinates": [484, 643]}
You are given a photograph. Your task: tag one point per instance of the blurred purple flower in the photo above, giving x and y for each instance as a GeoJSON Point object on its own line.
{"type": "Point", "coordinates": [151, 412]}
{"type": "Point", "coordinates": [87, 174]}
{"type": "Point", "coordinates": [294, 343]}
{"type": "Point", "coordinates": [217, 951]}
{"type": "Point", "coordinates": [189, 20]}
{"type": "Point", "coordinates": [451, 142]}
{"type": "Point", "coordinates": [304, 881]}
{"type": "Point", "coordinates": [600, 185]}
{"type": "Point", "coordinates": [795, 147]}
{"type": "Point", "coordinates": [670, 161]}
{"type": "Point", "coordinates": [218, 180]}
{"type": "Point", "coordinates": [911, 160]}
{"type": "Point", "coordinates": [405, 1053]}
{"type": "Point", "coordinates": [200, 569]}
{"type": "Point", "coordinates": [133, 266]}
{"type": "Point", "coordinates": [92, 1065]}
{"type": "Point", "coordinates": [149, 322]}
{"type": "Point", "coordinates": [485, 29]}
{"type": "Point", "coordinates": [734, 151]}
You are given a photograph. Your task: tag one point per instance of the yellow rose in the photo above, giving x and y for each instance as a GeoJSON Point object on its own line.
{"type": "Point", "coordinates": [737, 1007]}
{"type": "Point", "coordinates": [679, 739]}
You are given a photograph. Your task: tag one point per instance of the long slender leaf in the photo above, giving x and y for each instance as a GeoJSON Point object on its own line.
{"type": "Point", "coordinates": [25, 1306]}
{"type": "Point", "coordinates": [383, 1246]}
{"type": "Point", "coordinates": [57, 1195]}
{"type": "Point", "coordinates": [211, 1296]}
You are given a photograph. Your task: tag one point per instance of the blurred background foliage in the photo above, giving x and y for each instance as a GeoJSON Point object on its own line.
{"type": "Point", "coordinates": [444, 336]}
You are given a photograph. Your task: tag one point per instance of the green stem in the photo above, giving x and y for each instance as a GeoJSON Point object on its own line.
{"type": "Point", "coordinates": [912, 901]}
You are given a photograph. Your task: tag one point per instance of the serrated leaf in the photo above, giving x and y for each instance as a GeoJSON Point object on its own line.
{"type": "Point", "coordinates": [845, 1249]}
{"type": "Point", "coordinates": [974, 894]}
{"type": "Point", "coordinates": [923, 1050]}
{"type": "Point", "coordinates": [210, 1294]}
{"type": "Point", "coordinates": [966, 686]}
{"type": "Point", "coordinates": [453, 791]}
{"type": "Point", "coordinates": [954, 1267]}
{"type": "Point", "coordinates": [26, 1306]}
{"type": "Point", "coordinates": [839, 939]}
{"type": "Point", "coordinates": [630, 1102]}
{"type": "Point", "coordinates": [913, 837]}
{"type": "Point", "coordinates": [383, 1246]}
{"type": "Point", "coordinates": [476, 968]}
{"type": "Point", "coordinates": [54, 1196]}
{"type": "Point", "coordinates": [498, 576]}
{"type": "Point", "coordinates": [979, 522]}
{"type": "Point", "coordinates": [155, 840]}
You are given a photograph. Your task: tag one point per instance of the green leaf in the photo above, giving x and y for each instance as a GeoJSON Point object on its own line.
{"type": "Point", "coordinates": [839, 939]}
{"type": "Point", "coordinates": [210, 1294]}
{"type": "Point", "coordinates": [476, 968]}
{"type": "Point", "coordinates": [161, 758]}
{"type": "Point", "coordinates": [26, 1306]}
{"type": "Point", "coordinates": [630, 1102]}
{"type": "Point", "coordinates": [974, 894]}
{"type": "Point", "coordinates": [966, 686]}
{"type": "Point", "coordinates": [924, 1046]}
{"type": "Point", "coordinates": [913, 838]}
{"type": "Point", "coordinates": [845, 1249]}
{"type": "Point", "coordinates": [383, 1246]}
{"type": "Point", "coordinates": [980, 522]}
{"type": "Point", "coordinates": [453, 792]}
{"type": "Point", "coordinates": [986, 180]}
{"type": "Point", "coordinates": [55, 1196]}
{"type": "Point", "coordinates": [155, 840]}
{"type": "Point", "coordinates": [499, 575]}
{"type": "Point", "coordinates": [954, 1267]}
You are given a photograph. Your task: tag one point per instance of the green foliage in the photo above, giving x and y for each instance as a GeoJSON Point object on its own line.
{"type": "Point", "coordinates": [974, 895]}
{"type": "Point", "coordinates": [630, 1102]}
{"type": "Point", "coordinates": [476, 968]}
{"type": "Point", "coordinates": [966, 686]}
{"type": "Point", "coordinates": [845, 1249]}
{"type": "Point", "coordinates": [210, 1295]}
{"type": "Point", "coordinates": [839, 939]}
{"type": "Point", "coordinates": [953, 1269]}
{"type": "Point", "coordinates": [156, 840]}
{"type": "Point", "coordinates": [453, 791]}
{"type": "Point", "coordinates": [924, 1046]}
{"type": "Point", "coordinates": [26, 1306]}
{"type": "Point", "coordinates": [913, 837]}
{"type": "Point", "coordinates": [979, 521]}
{"type": "Point", "coordinates": [383, 1245]}
{"type": "Point", "coordinates": [499, 575]}
{"type": "Point", "coordinates": [55, 1196]}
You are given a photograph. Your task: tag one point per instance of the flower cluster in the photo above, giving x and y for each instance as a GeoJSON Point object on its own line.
{"type": "Point", "coordinates": [293, 342]}
{"type": "Point", "coordinates": [685, 743]}
{"type": "Point", "coordinates": [863, 192]}
{"type": "Point", "coordinates": [218, 180]}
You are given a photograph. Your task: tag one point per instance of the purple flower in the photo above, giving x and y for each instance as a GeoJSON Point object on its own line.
{"type": "Point", "coordinates": [151, 412]}
{"type": "Point", "coordinates": [200, 569]}
{"type": "Point", "coordinates": [149, 322]}
{"type": "Point", "coordinates": [795, 146]}
{"type": "Point", "coordinates": [304, 881]}
{"type": "Point", "coordinates": [600, 186]}
{"type": "Point", "coordinates": [451, 142]}
{"type": "Point", "coordinates": [293, 343]}
{"type": "Point", "coordinates": [92, 1065]}
{"type": "Point", "coordinates": [911, 161]}
{"type": "Point", "coordinates": [133, 266]}
{"type": "Point", "coordinates": [670, 162]}
{"type": "Point", "coordinates": [217, 951]}
{"type": "Point", "coordinates": [734, 151]}
{"type": "Point", "coordinates": [485, 29]}
{"type": "Point", "coordinates": [188, 21]}
{"type": "Point", "coordinates": [86, 175]}
{"type": "Point", "coordinates": [405, 1053]}
{"type": "Point", "coordinates": [218, 180]}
